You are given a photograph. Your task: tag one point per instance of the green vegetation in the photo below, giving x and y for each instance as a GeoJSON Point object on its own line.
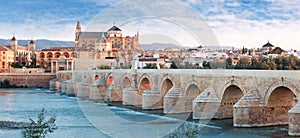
{"type": "Point", "coordinates": [173, 65]}
{"type": "Point", "coordinates": [40, 128]}
{"type": "Point", "coordinates": [277, 50]}
{"type": "Point", "coordinates": [186, 131]}
{"type": "Point", "coordinates": [17, 65]}
{"type": "Point", "coordinates": [5, 84]}
{"type": "Point", "coordinates": [104, 67]}
{"type": "Point", "coordinates": [262, 63]}
{"type": "Point", "coordinates": [150, 66]}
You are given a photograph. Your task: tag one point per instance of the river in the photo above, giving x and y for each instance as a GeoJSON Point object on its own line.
{"type": "Point", "coordinates": [78, 118]}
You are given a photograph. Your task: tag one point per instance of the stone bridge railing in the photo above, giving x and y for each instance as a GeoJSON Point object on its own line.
{"type": "Point", "coordinates": [251, 97]}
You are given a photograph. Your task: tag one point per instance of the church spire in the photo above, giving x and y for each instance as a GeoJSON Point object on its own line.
{"type": "Point", "coordinates": [13, 38]}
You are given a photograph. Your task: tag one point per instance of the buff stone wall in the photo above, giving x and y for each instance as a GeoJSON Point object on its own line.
{"type": "Point", "coordinates": [29, 80]}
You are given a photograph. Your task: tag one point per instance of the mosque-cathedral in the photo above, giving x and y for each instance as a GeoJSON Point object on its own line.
{"type": "Point", "coordinates": [91, 49]}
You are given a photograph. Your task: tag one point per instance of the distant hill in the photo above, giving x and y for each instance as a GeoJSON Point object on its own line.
{"type": "Point", "coordinates": [41, 43]}
{"type": "Point", "coordinates": [160, 46]}
{"type": "Point", "coordinates": [44, 43]}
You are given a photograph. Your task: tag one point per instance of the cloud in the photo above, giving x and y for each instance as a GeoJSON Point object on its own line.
{"type": "Point", "coordinates": [235, 22]}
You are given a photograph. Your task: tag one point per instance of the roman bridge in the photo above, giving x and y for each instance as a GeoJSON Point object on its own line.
{"type": "Point", "coordinates": [251, 97]}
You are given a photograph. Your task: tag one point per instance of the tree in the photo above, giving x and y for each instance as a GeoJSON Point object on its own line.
{"type": "Point", "coordinates": [40, 128]}
{"type": "Point", "coordinates": [229, 63]}
{"type": "Point", "coordinates": [17, 65]}
{"type": "Point", "coordinates": [206, 65]}
{"type": "Point", "coordinates": [277, 50]}
{"type": "Point", "coordinates": [173, 65]}
{"type": "Point", "coordinates": [150, 66]}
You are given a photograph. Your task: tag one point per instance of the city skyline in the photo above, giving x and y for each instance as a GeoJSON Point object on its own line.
{"type": "Point", "coordinates": [235, 23]}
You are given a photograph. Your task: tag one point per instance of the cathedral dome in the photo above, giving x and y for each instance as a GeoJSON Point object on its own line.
{"type": "Point", "coordinates": [268, 45]}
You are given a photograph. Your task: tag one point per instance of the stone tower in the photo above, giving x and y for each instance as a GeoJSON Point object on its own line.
{"type": "Point", "coordinates": [14, 43]}
{"type": "Point", "coordinates": [77, 31]}
{"type": "Point", "coordinates": [14, 47]}
{"type": "Point", "coordinates": [31, 45]}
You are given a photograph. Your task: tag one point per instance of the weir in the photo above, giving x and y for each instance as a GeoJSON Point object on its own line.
{"type": "Point", "coordinates": [251, 97]}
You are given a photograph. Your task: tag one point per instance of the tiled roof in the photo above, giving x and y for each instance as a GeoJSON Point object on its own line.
{"type": "Point", "coordinates": [4, 48]}
{"type": "Point", "coordinates": [92, 34]}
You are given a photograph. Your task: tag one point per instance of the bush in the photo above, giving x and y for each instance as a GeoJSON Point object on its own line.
{"type": "Point", "coordinates": [186, 131]}
{"type": "Point", "coordinates": [40, 128]}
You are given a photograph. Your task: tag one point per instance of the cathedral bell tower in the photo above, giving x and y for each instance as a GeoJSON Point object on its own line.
{"type": "Point", "coordinates": [14, 47]}
{"type": "Point", "coordinates": [77, 31]}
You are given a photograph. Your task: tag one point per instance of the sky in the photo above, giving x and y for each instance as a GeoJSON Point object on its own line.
{"type": "Point", "coordinates": [238, 23]}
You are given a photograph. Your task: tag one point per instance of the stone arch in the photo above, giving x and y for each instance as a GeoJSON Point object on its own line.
{"type": "Point", "coordinates": [281, 96]}
{"type": "Point", "coordinates": [42, 55]}
{"type": "Point", "coordinates": [66, 54]}
{"type": "Point", "coordinates": [231, 95]}
{"type": "Point", "coordinates": [230, 83]}
{"type": "Point", "coordinates": [276, 84]}
{"type": "Point", "coordinates": [279, 102]}
{"type": "Point", "coordinates": [110, 80]}
{"type": "Point", "coordinates": [68, 78]}
{"type": "Point", "coordinates": [96, 77]}
{"type": "Point", "coordinates": [126, 82]}
{"type": "Point", "coordinates": [73, 55]}
{"type": "Point", "coordinates": [86, 78]}
{"type": "Point", "coordinates": [191, 92]}
{"type": "Point", "coordinates": [144, 84]}
{"type": "Point", "coordinates": [57, 55]}
{"type": "Point", "coordinates": [165, 85]}
{"type": "Point", "coordinates": [49, 55]}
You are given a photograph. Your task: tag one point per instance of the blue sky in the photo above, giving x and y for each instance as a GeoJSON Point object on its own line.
{"type": "Point", "coordinates": [249, 23]}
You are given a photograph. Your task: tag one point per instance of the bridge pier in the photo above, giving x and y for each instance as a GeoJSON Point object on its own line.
{"type": "Point", "coordinates": [131, 97]}
{"type": "Point", "coordinates": [83, 90]}
{"type": "Point", "coordinates": [206, 105]}
{"type": "Point", "coordinates": [152, 99]}
{"type": "Point", "coordinates": [70, 88]}
{"type": "Point", "coordinates": [250, 112]}
{"type": "Point", "coordinates": [53, 86]}
{"type": "Point", "coordinates": [59, 82]}
{"type": "Point", "coordinates": [95, 92]}
{"type": "Point", "coordinates": [113, 94]}
{"type": "Point", "coordinates": [174, 101]}
{"type": "Point", "coordinates": [294, 121]}
{"type": "Point", "coordinates": [64, 86]}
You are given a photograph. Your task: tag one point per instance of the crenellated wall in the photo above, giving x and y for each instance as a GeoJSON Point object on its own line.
{"type": "Point", "coordinates": [251, 97]}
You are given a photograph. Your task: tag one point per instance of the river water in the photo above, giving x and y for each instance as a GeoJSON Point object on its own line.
{"type": "Point", "coordinates": [78, 118]}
